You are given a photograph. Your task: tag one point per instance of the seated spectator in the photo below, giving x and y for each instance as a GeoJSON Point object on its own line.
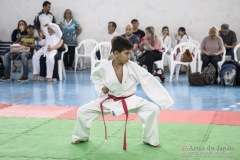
{"type": "Point", "coordinates": [151, 47]}
{"type": "Point", "coordinates": [48, 50]}
{"type": "Point", "coordinates": [133, 38]}
{"type": "Point", "coordinates": [212, 48]}
{"type": "Point", "coordinates": [108, 38]}
{"type": "Point", "coordinates": [16, 34]}
{"type": "Point", "coordinates": [43, 66]}
{"type": "Point", "coordinates": [182, 37]}
{"type": "Point", "coordinates": [229, 39]}
{"type": "Point", "coordinates": [71, 30]}
{"type": "Point", "coordinates": [136, 31]}
{"type": "Point", "coordinates": [28, 41]}
{"type": "Point", "coordinates": [167, 40]}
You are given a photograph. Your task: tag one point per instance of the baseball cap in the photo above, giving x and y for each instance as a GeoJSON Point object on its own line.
{"type": "Point", "coordinates": [31, 25]}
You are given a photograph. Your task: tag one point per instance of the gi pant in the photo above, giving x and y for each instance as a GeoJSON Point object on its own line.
{"type": "Point", "coordinates": [49, 62]}
{"type": "Point", "coordinates": [147, 111]}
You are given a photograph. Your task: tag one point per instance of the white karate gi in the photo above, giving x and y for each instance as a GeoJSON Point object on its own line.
{"type": "Point", "coordinates": [51, 40]}
{"type": "Point", "coordinates": [104, 75]}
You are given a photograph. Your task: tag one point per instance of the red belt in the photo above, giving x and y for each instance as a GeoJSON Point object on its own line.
{"type": "Point", "coordinates": [125, 110]}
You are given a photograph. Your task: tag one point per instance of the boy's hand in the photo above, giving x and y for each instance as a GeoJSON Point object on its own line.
{"type": "Point", "coordinates": [105, 90]}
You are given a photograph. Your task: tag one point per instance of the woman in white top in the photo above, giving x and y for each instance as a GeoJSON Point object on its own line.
{"type": "Point", "coordinates": [167, 41]}
{"type": "Point", "coordinates": [182, 37]}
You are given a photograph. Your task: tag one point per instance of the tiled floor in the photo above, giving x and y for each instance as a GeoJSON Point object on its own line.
{"type": "Point", "coordinates": [77, 89]}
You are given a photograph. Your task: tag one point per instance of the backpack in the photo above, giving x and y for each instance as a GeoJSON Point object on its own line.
{"type": "Point", "coordinates": [158, 73]}
{"type": "Point", "coordinates": [237, 79]}
{"type": "Point", "coordinates": [209, 74]}
{"type": "Point", "coordinates": [1, 68]}
{"type": "Point", "coordinates": [228, 73]}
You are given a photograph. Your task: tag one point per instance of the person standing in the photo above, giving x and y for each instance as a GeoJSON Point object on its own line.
{"type": "Point", "coordinates": [43, 18]}
{"type": "Point", "coordinates": [71, 30]}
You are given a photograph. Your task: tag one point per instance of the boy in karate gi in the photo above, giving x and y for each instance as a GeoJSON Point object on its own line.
{"type": "Point", "coordinates": [115, 82]}
{"type": "Point", "coordinates": [49, 50]}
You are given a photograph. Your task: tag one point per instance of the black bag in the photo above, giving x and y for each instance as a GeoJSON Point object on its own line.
{"type": "Point", "coordinates": [195, 79]}
{"type": "Point", "coordinates": [159, 74]}
{"type": "Point", "coordinates": [1, 68]}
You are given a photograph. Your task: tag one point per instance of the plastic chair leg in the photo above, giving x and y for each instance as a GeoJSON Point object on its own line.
{"type": "Point", "coordinates": [60, 70]}
{"type": "Point", "coordinates": [76, 62]}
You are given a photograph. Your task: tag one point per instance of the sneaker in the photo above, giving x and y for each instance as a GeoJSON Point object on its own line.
{"type": "Point", "coordinates": [23, 79]}
{"type": "Point", "coordinates": [5, 78]}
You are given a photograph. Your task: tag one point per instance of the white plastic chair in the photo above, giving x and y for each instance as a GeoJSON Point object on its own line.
{"type": "Point", "coordinates": [176, 63]}
{"type": "Point", "coordinates": [88, 45]}
{"type": "Point", "coordinates": [105, 50]}
{"type": "Point", "coordinates": [235, 52]}
{"type": "Point", "coordinates": [61, 68]}
{"type": "Point", "coordinates": [196, 42]}
{"type": "Point", "coordinates": [220, 63]}
{"type": "Point", "coordinates": [160, 63]}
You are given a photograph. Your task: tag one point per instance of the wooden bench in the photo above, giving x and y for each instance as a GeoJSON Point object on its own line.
{"type": "Point", "coordinates": [4, 47]}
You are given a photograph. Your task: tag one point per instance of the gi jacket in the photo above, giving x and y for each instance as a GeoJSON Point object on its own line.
{"type": "Point", "coordinates": [133, 74]}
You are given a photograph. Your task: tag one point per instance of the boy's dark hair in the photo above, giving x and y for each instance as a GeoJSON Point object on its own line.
{"type": "Point", "coordinates": [45, 3]}
{"type": "Point", "coordinates": [134, 20]}
{"type": "Point", "coordinates": [120, 44]}
{"type": "Point", "coordinates": [113, 24]}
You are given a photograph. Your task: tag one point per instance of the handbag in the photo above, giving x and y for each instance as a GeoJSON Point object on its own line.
{"type": "Point", "coordinates": [186, 56]}
{"type": "Point", "coordinates": [195, 79]}
{"type": "Point", "coordinates": [159, 74]}
{"type": "Point", "coordinates": [17, 48]}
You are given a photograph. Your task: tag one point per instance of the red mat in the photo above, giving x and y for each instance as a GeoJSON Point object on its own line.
{"type": "Point", "coordinates": [172, 116]}
{"type": "Point", "coordinates": [227, 118]}
{"type": "Point", "coordinates": [33, 111]}
{"type": "Point", "coordinates": [72, 114]}
{"type": "Point", "coordinates": [2, 106]}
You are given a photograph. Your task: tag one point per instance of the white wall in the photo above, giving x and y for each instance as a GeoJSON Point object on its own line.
{"type": "Point", "coordinates": [197, 16]}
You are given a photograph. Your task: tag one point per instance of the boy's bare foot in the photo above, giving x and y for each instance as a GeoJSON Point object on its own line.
{"type": "Point", "coordinates": [35, 77]}
{"type": "Point", "coordinates": [50, 80]}
{"type": "Point", "coordinates": [157, 146]}
{"type": "Point", "coordinates": [76, 142]}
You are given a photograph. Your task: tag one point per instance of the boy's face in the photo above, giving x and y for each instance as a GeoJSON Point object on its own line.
{"type": "Point", "coordinates": [50, 31]}
{"type": "Point", "coordinates": [123, 57]}
{"type": "Point", "coordinates": [31, 30]}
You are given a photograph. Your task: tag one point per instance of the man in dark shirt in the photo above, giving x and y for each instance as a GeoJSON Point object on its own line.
{"type": "Point", "coordinates": [229, 39]}
{"type": "Point", "coordinates": [28, 41]}
{"type": "Point", "coordinates": [134, 39]}
{"type": "Point", "coordinates": [136, 31]}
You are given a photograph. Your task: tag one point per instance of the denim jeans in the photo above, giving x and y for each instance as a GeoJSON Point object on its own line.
{"type": "Point", "coordinates": [229, 51]}
{"type": "Point", "coordinates": [24, 57]}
